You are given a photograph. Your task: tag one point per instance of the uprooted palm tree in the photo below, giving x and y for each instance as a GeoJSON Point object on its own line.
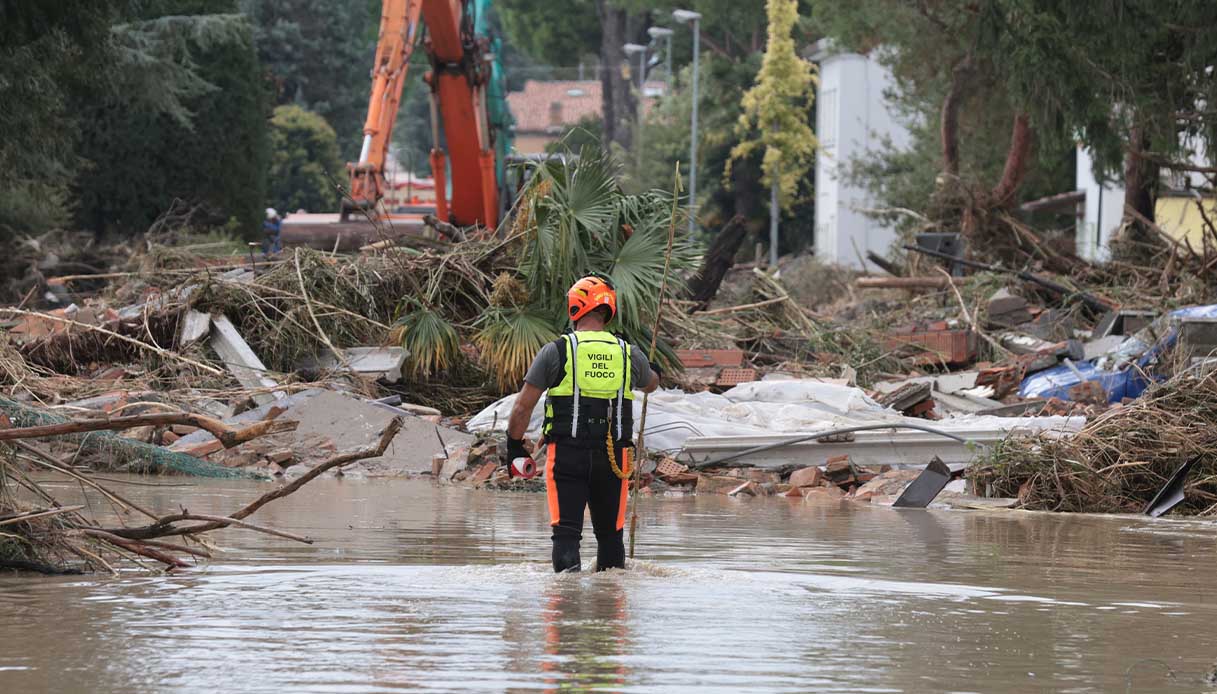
{"type": "Point", "coordinates": [574, 219]}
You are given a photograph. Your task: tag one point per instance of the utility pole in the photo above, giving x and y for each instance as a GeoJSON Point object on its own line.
{"type": "Point", "coordinates": [639, 50]}
{"type": "Point", "coordinates": [688, 16]}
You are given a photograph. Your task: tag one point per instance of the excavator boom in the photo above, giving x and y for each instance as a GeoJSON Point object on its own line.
{"type": "Point", "coordinates": [398, 26]}
{"type": "Point", "coordinates": [460, 77]}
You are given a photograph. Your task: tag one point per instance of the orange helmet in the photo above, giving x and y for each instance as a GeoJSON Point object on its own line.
{"type": "Point", "coordinates": [589, 293]}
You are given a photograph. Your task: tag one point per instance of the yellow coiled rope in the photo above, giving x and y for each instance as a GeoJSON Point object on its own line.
{"type": "Point", "coordinates": [612, 456]}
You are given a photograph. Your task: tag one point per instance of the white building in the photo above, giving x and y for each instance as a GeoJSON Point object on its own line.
{"type": "Point", "coordinates": [853, 118]}
{"type": "Point", "coordinates": [1104, 213]}
{"type": "Point", "coordinates": [1104, 210]}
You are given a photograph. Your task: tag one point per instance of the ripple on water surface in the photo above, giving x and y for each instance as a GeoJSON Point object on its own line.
{"type": "Point", "coordinates": [410, 587]}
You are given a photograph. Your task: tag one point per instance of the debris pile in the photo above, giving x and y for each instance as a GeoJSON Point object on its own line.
{"type": "Point", "coordinates": [1121, 458]}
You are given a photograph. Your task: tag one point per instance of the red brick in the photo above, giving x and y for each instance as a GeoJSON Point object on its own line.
{"type": "Point", "coordinates": [485, 472]}
{"type": "Point", "coordinates": [811, 476]}
{"type": "Point", "coordinates": [734, 377]}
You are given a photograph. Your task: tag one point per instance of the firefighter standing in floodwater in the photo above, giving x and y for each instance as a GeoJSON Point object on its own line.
{"type": "Point", "coordinates": [589, 424]}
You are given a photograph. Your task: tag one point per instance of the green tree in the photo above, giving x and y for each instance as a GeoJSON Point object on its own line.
{"type": "Point", "coordinates": [777, 107]}
{"type": "Point", "coordinates": [203, 141]}
{"type": "Point", "coordinates": [48, 52]}
{"type": "Point", "coordinates": [551, 36]}
{"type": "Point", "coordinates": [92, 87]}
{"type": "Point", "coordinates": [1132, 79]}
{"type": "Point", "coordinates": [319, 54]}
{"type": "Point", "coordinates": [304, 161]}
{"type": "Point", "coordinates": [775, 117]}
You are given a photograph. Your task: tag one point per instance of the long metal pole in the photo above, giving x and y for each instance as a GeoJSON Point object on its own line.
{"type": "Point", "coordinates": [642, 99]}
{"type": "Point", "coordinates": [693, 137]}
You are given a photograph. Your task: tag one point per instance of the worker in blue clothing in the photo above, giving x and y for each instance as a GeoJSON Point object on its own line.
{"type": "Point", "coordinates": [272, 229]}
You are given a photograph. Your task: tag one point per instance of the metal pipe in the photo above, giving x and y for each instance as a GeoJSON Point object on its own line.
{"type": "Point", "coordinates": [825, 434]}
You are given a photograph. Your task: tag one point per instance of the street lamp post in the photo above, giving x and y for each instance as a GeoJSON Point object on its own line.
{"type": "Point", "coordinates": [688, 16]}
{"type": "Point", "coordinates": [664, 33]}
{"type": "Point", "coordinates": [639, 50]}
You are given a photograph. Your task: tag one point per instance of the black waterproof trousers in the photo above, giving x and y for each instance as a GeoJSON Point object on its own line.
{"type": "Point", "coordinates": [578, 476]}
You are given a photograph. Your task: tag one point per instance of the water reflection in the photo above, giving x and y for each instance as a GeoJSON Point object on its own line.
{"type": "Point", "coordinates": [416, 588]}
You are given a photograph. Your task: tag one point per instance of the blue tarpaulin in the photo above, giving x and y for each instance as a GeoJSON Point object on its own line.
{"type": "Point", "coordinates": [1123, 373]}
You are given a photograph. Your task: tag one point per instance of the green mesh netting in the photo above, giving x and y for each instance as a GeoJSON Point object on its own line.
{"type": "Point", "coordinates": [122, 453]}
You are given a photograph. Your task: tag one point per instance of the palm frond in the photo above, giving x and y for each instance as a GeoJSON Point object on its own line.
{"type": "Point", "coordinates": [430, 341]}
{"type": "Point", "coordinates": [509, 339]}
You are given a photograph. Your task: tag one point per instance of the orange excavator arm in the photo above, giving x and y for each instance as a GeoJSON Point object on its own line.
{"type": "Point", "coordinates": [398, 26]}
{"type": "Point", "coordinates": [459, 76]}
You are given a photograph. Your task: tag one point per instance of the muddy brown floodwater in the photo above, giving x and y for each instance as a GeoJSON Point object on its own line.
{"type": "Point", "coordinates": [411, 587]}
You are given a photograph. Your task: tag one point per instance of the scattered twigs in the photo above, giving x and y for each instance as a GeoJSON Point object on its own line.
{"type": "Point", "coordinates": [43, 459]}
{"type": "Point", "coordinates": [1091, 301]}
{"type": "Point", "coordinates": [43, 513]}
{"type": "Point", "coordinates": [743, 307]}
{"type": "Point", "coordinates": [166, 354]}
{"type": "Point", "coordinates": [165, 526]}
{"type": "Point", "coordinates": [642, 424]}
{"type": "Point", "coordinates": [308, 304]}
{"type": "Point", "coordinates": [141, 548]}
{"type": "Point", "coordinates": [971, 319]}
{"type": "Point", "coordinates": [1121, 458]}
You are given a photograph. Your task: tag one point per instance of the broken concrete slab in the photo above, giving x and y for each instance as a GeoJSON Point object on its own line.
{"type": "Point", "coordinates": [963, 402]}
{"type": "Point", "coordinates": [249, 416]}
{"type": "Point", "coordinates": [945, 383]}
{"type": "Point", "coordinates": [1007, 310]}
{"type": "Point", "coordinates": [353, 423]}
{"type": "Point", "coordinates": [1104, 345]}
{"type": "Point", "coordinates": [383, 363]}
{"type": "Point", "coordinates": [896, 447]}
{"type": "Point", "coordinates": [195, 326]}
{"type": "Point", "coordinates": [241, 361]}
{"type": "Point", "coordinates": [1124, 322]}
{"type": "Point", "coordinates": [905, 397]}
{"type": "Point", "coordinates": [717, 484]}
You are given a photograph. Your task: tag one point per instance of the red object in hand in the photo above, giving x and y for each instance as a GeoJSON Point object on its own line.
{"type": "Point", "coordinates": [524, 467]}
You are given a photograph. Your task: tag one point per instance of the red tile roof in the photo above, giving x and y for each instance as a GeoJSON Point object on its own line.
{"type": "Point", "coordinates": [552, 106]}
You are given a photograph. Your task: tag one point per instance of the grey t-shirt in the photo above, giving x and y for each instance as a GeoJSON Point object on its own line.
{"type": "Point", "coordinates": [546, 369]}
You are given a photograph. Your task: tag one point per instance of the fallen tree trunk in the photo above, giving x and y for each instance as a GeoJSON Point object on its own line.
{"type": "Point", "coordinates": [884, 264]}
{"type": "Point", "coordinates": [120, 451]}
{"type": "Point", "coordinates": [229, 436]}
{"type": "Point", "coordinates": [719, 258]}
